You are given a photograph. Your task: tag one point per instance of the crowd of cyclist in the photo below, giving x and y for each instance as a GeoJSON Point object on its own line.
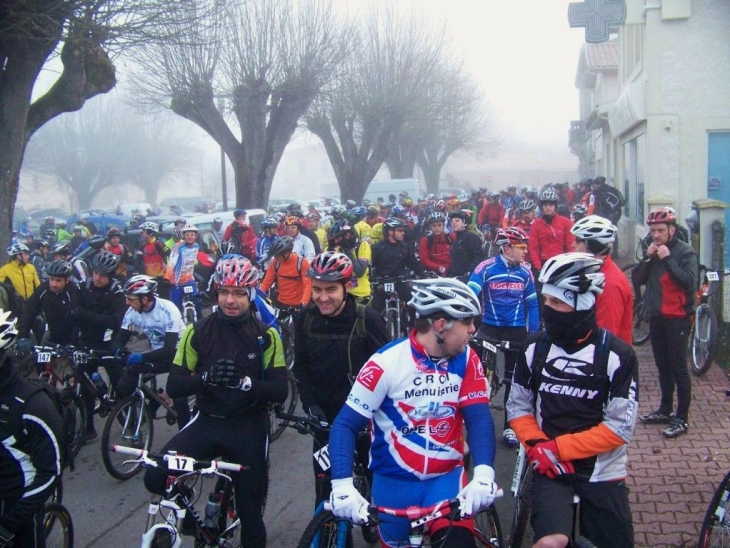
{"type": "Point", "coordinates": [99, 293]}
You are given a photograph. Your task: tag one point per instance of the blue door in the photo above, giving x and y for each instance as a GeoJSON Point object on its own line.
{"type": "Point", "coordinates": [718, 177]}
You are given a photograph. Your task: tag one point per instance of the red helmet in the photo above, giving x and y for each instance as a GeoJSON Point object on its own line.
{"type": "Point", "coordinates": [510, 236]}
{"type": "Point", "coordinates": [331, 266]}
{"type": "Point", "coordinates": [293, 220]}
{"type": "Point", "coordinates": [235, 271]}
{"type": "Point", "coordinates": [663, 215]}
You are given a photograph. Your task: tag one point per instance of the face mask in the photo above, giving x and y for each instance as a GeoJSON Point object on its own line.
{"type": "Point", "coordinates": [567, 328]}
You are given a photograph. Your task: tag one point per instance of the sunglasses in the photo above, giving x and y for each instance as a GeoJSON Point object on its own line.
{"type": "Point", "coordinates": [521, 247]}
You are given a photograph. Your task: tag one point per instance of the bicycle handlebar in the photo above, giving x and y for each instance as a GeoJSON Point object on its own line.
{"type": "Point", "coordinates": [495, 344]}
{"type": "Point", "coordinates": [153, 460]}
{"type": "Point", "coordinates": [300, 423]}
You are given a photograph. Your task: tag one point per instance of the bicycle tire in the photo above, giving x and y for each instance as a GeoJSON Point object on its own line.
{"type": "Point", "coordinates": [487, 529]}
{"type": "Point", "coordinates": [189, 317]}
{"type": "Point", "coordinates": [640, 333]}
{"type": "Point", "coordinates": [113, 462]}
{"type": "Point", "coordinates": [703, 339]}
{"type": "Point", "coordinates": [277, 426]}
{"type": "Point", "coordinates": [58, 525]}
{"type": "Point", "coordinates": [521, 514]}
{"type": "Point", "coordinates": [76, 420]}
{"type": "Point", "coordinates": [391, 323]}
{"type": "Point", "coordinates": [715, 521]}
{"type": "Point", "coordinates": [162, 538]}
{"type": "Point", "coordinates": [323, 527]}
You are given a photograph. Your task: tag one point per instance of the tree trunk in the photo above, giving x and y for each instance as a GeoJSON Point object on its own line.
{"type": "Point", "coordinates": [431, 165]}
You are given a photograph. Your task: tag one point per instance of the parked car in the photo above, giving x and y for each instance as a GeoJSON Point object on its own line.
{"type": "Point", "coordinates": [102, 223]}
{"type": "Point", "coordinates": [253, 217]}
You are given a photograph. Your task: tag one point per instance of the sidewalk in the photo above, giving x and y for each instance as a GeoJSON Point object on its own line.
{"type": "Point", "coordinates": [673, 480]}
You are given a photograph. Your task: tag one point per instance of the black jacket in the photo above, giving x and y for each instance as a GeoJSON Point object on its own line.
{"type": "Point", "coordinates": [466, 253]}
{"type": "Point", "coordinates": [100, 310]}
{"type": "Point", "coordinates": [57, 308]}
{"type": "Point", "coordinates": [391, 260]}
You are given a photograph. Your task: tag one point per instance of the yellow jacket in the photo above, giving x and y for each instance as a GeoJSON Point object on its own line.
{"type": "Point", "coordinates": [23, 277]}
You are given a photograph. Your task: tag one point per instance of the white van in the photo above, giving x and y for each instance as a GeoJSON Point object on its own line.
{"type": "Point", "coordinates": [382, 189]}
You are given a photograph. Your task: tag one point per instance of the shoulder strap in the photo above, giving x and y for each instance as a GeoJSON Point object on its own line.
{"type": "Point", "coordinates": [300, 260]}
{"type": "Point", "coordinates": [542, 348]}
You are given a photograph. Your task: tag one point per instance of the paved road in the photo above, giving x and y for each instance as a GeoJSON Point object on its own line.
{"type": "Point", "coordinates": [109, 513]}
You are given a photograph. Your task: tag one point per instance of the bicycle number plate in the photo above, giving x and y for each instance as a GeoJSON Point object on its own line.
{"type": "Point", "coordinates": [389, 287]}
{"type": "Point", "coordinates": [713, 276]}
{"type": "Point", "coordinates": [180, 464]}
{"type": "Point", "coordinates": [44, 357]}
{"type": "Point", "coordinates": [323, 457]}
{"type": "Point", "coordinates": [490, 347]}
{"type": "Point", "coordinates": [80, 358]}
{"type": "Point", "coordinates": [188, 289]}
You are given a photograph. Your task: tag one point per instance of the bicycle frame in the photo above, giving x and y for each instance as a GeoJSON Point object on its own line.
{"type": "Point", "coordinates": [394, 308]}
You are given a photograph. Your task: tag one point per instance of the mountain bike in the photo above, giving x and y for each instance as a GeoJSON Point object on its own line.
{"type": "Point", "coordinates": [396, 311]}
{"type": "Point", "coordinates": [190, 295]}
{"type": "Point", "coordinates": [82, 362]}
{"type": "Point", "coordinates": [58, 525]}
{"type": "Point", "coordinates": [337, 537]}
{"type": "Point", "coordinates": [704, 332]}
{"type": "Point", "coordinates": [166, 522]}
{"type": "Point", "coordinates": [640, 332]}
{"type": "Point", "coordinates": [285, 318]}
{"type": "Point", "coordinates": [487, 531]}
{"type": "Point", "coordinates": [487, 350]}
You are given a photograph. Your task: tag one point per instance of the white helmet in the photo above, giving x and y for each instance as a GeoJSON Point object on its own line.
{"type": "Point", "coordinates": [445, 295]}
{"type": "Point", "coordinates": [8, 333]}
{"type": "Point", "coordinates": [578, 272]}
{"type": "Point", "coordinates": [150, 227]}
{"type": "Point", "coordinates": [17, 249]}
{"type": "Point", "coordinates": [190, 228]}
{"type": "Point", "coordinates": [595, 227]}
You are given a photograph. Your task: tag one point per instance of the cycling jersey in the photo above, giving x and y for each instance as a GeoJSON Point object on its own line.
{"type": "Point", "coordinates": [294, 287]}
{"type": "Point", "coordinates": [466, 253]}
{"type": "Point", "coordinates": [590, 414]}
{"type": "Point", "coordinates": [393, 259]}
{"type": "Point", "coordinates": [435, 252]}
{"type": "Point", "coordinates": [262, 248]}
{"type": "Point", "coordinates": [163, 318]}
{"type": "Point", "coordinates": [152, 255]}
{"type": "Point", "coordinates": [507, 294]}
{"type": "Point", "coordinates": [56, 307]}
{"type": "Point", "coordinates": [615, 306]}
{"type": "Point", "coordinates": [100, 313]}
{"type": "Point", "coordinates": [549, 238]}
{"type": "Point", "coordinates": [417, 409]}
{"type": "Point", "coordinates": [181, 264]}
{"type": "Point", "coordinates": [491, 214]}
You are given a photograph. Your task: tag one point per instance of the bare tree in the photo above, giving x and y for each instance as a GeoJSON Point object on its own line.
{"type": "Point", "coordinates": [262, 63]}
{"type": "Point", "coordinates": [85, 35]}
{"type": "Point", "coordinates": [377, 90]}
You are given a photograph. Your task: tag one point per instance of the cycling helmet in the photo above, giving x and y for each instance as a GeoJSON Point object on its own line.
{"type": "Point", "coordinates": [190, 228]}
{"type": "Point", "coordinates": [50, 219]}
{"type": "Point", "coordinates": [493, 195]}
{"type": "Point", "coordinates": [574, 278]}
{"type": "Point", "coordinates": [663, 215]}
{"type": "Point", "coordinates": [406, 202]}
{"type": "Point", "coordinates": [50, 234]}
{"type": "Point", "coordinates": [218, 221]}
{"type": "Point", "coordinates": [41, 243]}
{"type": "Point", "coordinates": [580, 210]}
{"type": "Point", "coordinates": [105, 262]}
{"type": "Point", "coordinates": [228, 247]}
{"type": "Point", "coordinates": [596, 228]}
{"type": "Point", "coordinates": [367, 202]}
{"type": "Point", "coordinates": [235, 271]}
{"type": "Point", "coordinates": [314, 216]}
{"type": "Point", "coordinates": [436, 217]}
{"type": "Point", "coordinates": [77, 228]}
{"type": "Point", "coordinates": [140, 285]}
{"type": "Point", "coordinates": [511, 187]}
{"type": "Point", "coordinates": [373, 211]}
{"type": "Point", "coordinates": [331, 266]}
{"type": "Point", "coordinates": [548, 195]}
{"type": "Point", "coordinates": [97, 241]}
{"type": "Point", "coordinates": [17, 249]}
{"type": "Point", "coordinates": [452, 203]}
{"type": "Point", "coordinates": [293, 220]}
{"type": "Point", "coordinates": [338, 228]}
{"type": "Point", "coordinates": [150, 227]}
{"type": "Point", "coordinates": [61, 248]}
{"type": "Point", "coordinates": [338, 210]}
{"type": "Point", "coordinates": [180, 221]}
{"type": "Point", "coordinates": [350, 204]}
{"type": "Point", "coordinates": [527, 205]}
{"type": "Point", "coordinates": [239, 212]}
{"type": "Point", "coordinates": [269, 222]}
{"type": "Point", "coordinates": [281, 245]}
{"type": "Point", "coordinates": [600, 180]}
{"type": "Point", "coordinates": [399, 210]}
{"type": "Point", "coordinates": [59, 269]}
{"type": "Point", "coordinates": [510, 236]}
{"type": "Point", "coordinates": [113, 231]}
{"type": "Point", "coordinates": [463, 198]}
{"type": "Point", "coordinates": [8, 333]}
{"type": "Point", "coordinates": [463, 214]}
{"type": "Point", "coordinates": [295, 210]}
{"type": "Point", "coordinates": [392, 223]}
{"type": "Point", "coordinates": [444, 296]}
{"type": "Point", "coordinates": [585, 182]}
{"type": "Point", "coordinates": [360, 211]}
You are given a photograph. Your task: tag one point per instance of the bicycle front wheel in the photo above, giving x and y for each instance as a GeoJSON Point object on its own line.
{"type": "Point", "coordinates": [324, 531]}
{"type": "Point", "coordinates": [277, 426]}
{"type": "Point", "coordinates": [58, 526]}
{"type": "Point", "coordinates": [391, 323]}
{"type": "Point", "coordinates": [487, 530]}
{"type": "Point", "coordinates": [715, 532]}
{"type": "Point", "coordinates": [702, 339]}
{"type": "Point", "coordinates": [641, 321]}
{"type": "Point", "coordinates": [129, 423]}
{"type": "Point", "coordinates": [522, 511]}
{"type": "Point", "coordinates": [74, 420]}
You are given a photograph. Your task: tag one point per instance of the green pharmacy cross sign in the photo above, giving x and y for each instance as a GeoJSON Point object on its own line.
{"type": "Point", "coordinates": [597, 16]}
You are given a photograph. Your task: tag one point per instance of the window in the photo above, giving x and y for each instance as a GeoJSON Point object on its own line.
{"type": "Point", "coordinates": [634, 161]}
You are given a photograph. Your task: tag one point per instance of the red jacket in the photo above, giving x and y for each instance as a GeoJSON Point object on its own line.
{"type": "Point", "coordinates": [548, 240]}
{"type": "Point", "coordinates": [491, 214]}
{"type": "Point", "coordinates": [248, 238]}
{"type": "Point", "coordinates": [615, 306]}
{"type": "Point", "coordinates": [437, 254]}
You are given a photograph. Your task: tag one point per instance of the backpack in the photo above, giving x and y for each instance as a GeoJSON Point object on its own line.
{"type": "Point", "coordinates": [542, 348]}
{"type": "Point", "coordinates": [14, 301]}
{"type": "Point", "coordinates": [610, 203]}
{"type": "Point", "coordinates": [300, 260]}
{"type": "Point", "coordinates": [62, 401]}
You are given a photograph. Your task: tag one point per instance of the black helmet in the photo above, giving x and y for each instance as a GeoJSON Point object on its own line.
{"type": "Point", "coordinates": [41, 243]}
{"type": "Point", "coordinates": [97, 242]}
{"type": "Point", "coordinates": [392, 224]}
{"type": "Point", "coordinates": [59, 269]}
{"type": "Point", "coordinates": [61, 248]}
{"type": "Point", "coordinates": [282, 245]}
{"type": "Point", "coordinates": [338, 229]}
{"type": "Point", "coordinates": [105, 262]}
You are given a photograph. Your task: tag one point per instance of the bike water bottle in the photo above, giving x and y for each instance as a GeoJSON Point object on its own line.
{"type": "Point", "coordinates": [212, 509]}
{"type": "Point", "coordinates": [101, 386]}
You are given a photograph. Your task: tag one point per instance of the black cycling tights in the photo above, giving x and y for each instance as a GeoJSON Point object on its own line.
{"type": "Point", "coordinates": [207, 438]}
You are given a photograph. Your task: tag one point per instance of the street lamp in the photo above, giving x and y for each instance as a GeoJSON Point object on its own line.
{"type": "Point", "coordinates": [224, 189]}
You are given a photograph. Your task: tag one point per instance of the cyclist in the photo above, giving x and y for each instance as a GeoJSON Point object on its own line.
{"type": "Point", "coordinates": [344, 238]}
{"type": "Point", "coordinates": [670, 275]}
{"type": "Point", "coordinates": [417, 393]}
{"type": "Point", "coordinates": [101, 307]}
{"type": "Point", "coordinates": [20, 272]}
{"type": "Point", "coordinates": [29, 461]}
{"type": "Point", "coordinates": [162, 323]}
{"type": "Point", "coordinates": [180, 269]}
{"type": "Point", "coordinates": [573, 406]}
{"type": "Point", "coordinates": [324, 334]}
{"type": "Point", "coordinates": [38, 259]}
{"type": "Point", "coordinates": [263, 242]}
{"type": "Point", "coordinates": [302, 245]}
{"type": "Point", "coordinates": [434, 248]}
{"type": "Point", "coordinates": [579, 211]}
{"type": "Point", "coordinates": [550, 234]}
{"type": "Point", "coordinates": [509, 302]}
{"type": "Point", "coordinates": [288, 270]}
{"type": "Point", "coordinates": [79, 237]}
{"type": "Point", "coordinates": [152, 253]}
{"type": "Point", "coordinates": [239, 232]}
{"type": "Point", "coordinates": [218, 227]}
{"type": "Point", "coordinates": [615, 306]}
{"type": "Point", "coordinates": [315, 220]}
{"type": "Point", "coordinates": [466, 249]}
{"type": "Point", "coordinates": [234, 366]}
{"type": "Point", "coordinates": [526, 216]}
{"type": "Point", "coordinates": [587, 198]}
{"type": "Point", "coordinates": [114, 245]}
{"type": "Point", "coordinates": [177, 234]}
{"type": "Point", "coordinates": [61, 233]}
{"type": "Point", "coordinates": [61, 251]}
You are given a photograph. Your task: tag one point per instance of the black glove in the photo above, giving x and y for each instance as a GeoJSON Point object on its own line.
{"type": "Point", "coordinates": [224, 373]}
{"type": "Point", "coordinates": [6, 538]}
{"type": "Point", "coordinates": [316, 413]}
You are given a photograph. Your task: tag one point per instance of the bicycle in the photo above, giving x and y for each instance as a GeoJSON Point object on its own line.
{"type": "Point", "coordinates": [80, 360]}
{"type": "Point", "coordinates": [337, 538]}
{"type": "Point", "coordinates": [487, 349]}
{"type": "Point", "coordinates": [640, 332]}
{"type": "Point", "coordinates": [132, 421]}
{"type": "Point", "coordinates": [396, 313]}
{"type": "Point", "coordinates": [179, 499]}
{"type": "Point", "coordinates": [704, 329]}
{"type": "Point", "coordinates": [487, 531]}
{"type": "Point", "coordinates": [189, 310]}
{"type": "Point", "coordinates": [58, 525]}
{"type": "Point", "coordinates": [285, 318]}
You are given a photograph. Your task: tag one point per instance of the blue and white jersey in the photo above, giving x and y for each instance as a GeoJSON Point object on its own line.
{"type": "Point", "coordinates": [163, 318]}
{"type": "Point", "coordinates": [507, 293]}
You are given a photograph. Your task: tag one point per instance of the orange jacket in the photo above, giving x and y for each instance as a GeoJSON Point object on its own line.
{"type": "Point", "coordinates": [615, 306]}
{"type": "Point", "coordinates": [293, 286]}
